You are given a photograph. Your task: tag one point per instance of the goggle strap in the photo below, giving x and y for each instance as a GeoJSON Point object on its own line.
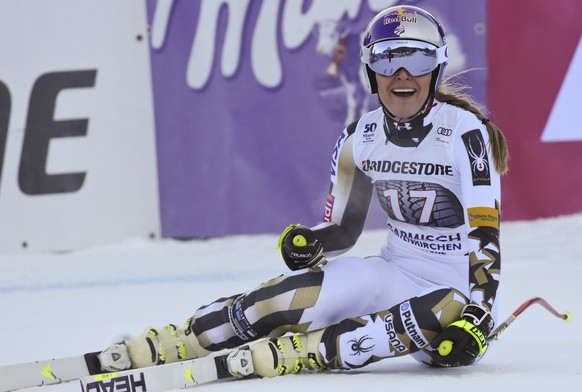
{"type": "Point", "coordinates": [442, 54]}
{"type": "Point", "coordinates": [365, 56]}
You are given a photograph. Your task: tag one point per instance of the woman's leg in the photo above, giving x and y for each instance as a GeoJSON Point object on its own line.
{"type": "Point", "coordinates": [302, 301]}
{"type": "Point", "coordinates": [405, 328]}
{"type": "Point", "coordinates": [297, 301]}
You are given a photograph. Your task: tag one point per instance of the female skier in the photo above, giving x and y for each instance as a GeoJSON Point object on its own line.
{"type": "Point", "coordinates": [434, 161]}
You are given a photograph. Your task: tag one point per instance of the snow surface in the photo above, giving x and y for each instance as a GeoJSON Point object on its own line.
{"type": "Point", "coordinates": [55, 305]}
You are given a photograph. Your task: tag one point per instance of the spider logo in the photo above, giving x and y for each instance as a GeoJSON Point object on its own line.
{"type": "Point", "coordinates": [358, 345]}
{"type": "Point", "coordinates": [479, 164]}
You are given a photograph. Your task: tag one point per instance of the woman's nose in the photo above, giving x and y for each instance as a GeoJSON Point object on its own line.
{"type": "Point", "coordinates": [402, 73]}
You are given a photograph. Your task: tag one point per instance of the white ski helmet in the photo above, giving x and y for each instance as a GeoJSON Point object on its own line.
{"type": "Point", "coordinates": [403, 37]}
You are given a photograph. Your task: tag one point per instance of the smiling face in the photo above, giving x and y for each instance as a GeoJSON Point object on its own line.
{"type": "Point", "coordinates": [403, 94]}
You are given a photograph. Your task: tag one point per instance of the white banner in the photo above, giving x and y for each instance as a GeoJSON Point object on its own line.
{"type": "Point", "coordinates": [77, 139]}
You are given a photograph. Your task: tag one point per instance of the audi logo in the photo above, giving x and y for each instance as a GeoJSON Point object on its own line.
{"type": "Point", "coordinates": [444, 131]}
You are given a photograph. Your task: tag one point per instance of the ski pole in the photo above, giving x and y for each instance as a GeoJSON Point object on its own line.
{"type": "Point", "coordinates": [446, 346]}
{"type": "Point", "coordinates": [566, 316]}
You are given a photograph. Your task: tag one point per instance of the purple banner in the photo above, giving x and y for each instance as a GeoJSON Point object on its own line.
{"type": "Point", "coordinates": [251, 96]}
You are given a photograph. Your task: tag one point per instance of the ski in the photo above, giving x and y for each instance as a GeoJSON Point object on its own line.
{"type": "Point", "coordinates": [233, 364]}
{"type": "Point", "coordinates": [184, 374]}
{"type": "Point", "coordinates": [48, 372]}
{"type": "Point", "coordinates": [86, 370]}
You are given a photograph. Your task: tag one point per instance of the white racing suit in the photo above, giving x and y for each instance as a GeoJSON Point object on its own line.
{"type": "Point", "coordinates": [438, 186]}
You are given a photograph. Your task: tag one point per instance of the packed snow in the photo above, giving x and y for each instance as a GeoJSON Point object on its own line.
{"type": "Point", "coordinates": [57, 305]}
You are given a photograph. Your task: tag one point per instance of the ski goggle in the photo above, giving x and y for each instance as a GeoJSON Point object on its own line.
{"type": "Point", "coordinates": [418, 58]}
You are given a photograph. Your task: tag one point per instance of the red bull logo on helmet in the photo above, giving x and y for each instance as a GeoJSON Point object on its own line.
{"type": "Point", "coordinates": [400, 15]}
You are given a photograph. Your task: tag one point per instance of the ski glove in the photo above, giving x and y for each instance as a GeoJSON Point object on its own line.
{"type": "Point", "coordinates": [299, 247]}
{"type": "Point", "coordinates": [464, 341]}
